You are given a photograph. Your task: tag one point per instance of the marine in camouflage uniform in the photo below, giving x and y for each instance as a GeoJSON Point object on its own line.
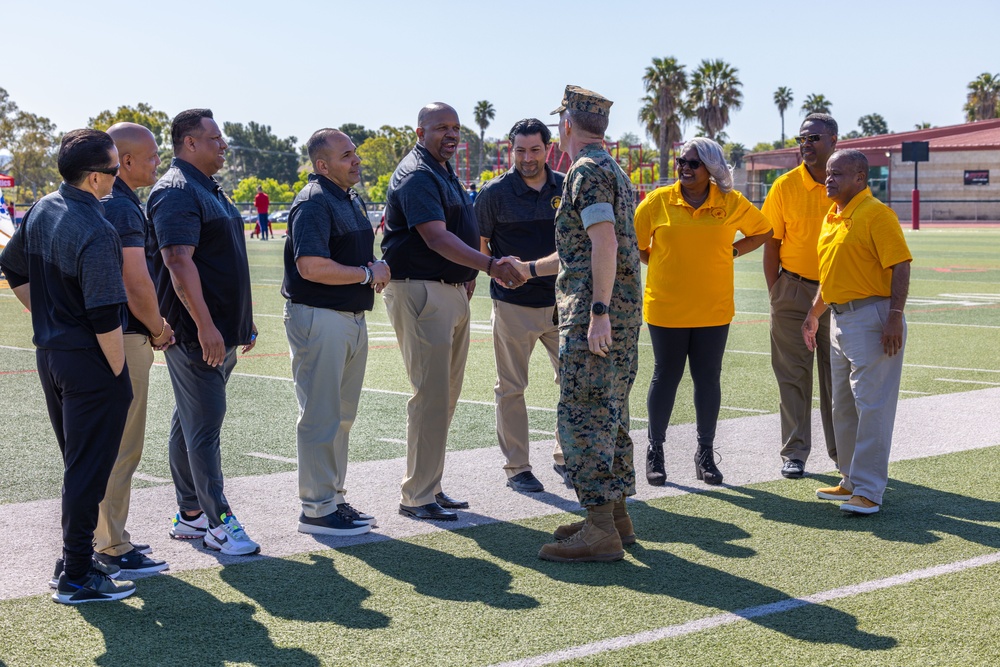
{"type": "Point", "coordinates": [594, 391]}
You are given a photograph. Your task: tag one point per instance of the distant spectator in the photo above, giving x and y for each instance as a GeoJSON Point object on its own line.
{"type": "Point", "coordinates": [263, 203]}
{"type": "Point", "coordinates": [472, 192]}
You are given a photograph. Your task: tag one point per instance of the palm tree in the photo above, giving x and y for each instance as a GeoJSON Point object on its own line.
{"type": "Point", "coordinates": [816, 104]}
{"type": "Point", "coordinates": [983, 100]}
{"type": "Point", "coordinates": [783, 99]}
{"type": "Point", "coordinates": [715, 90]}
{"type": "Point", "coordinates": [665, 82]}
{"type": "Point", "coordinates": [923, 126]}
{"type": "Point", "coordinates": [483, 114]}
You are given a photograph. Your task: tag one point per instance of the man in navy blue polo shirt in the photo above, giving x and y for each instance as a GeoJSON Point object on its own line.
{"type": "Point", "coordinates": [331, 277]}
{"type": "Point", "coordinates": [431, 242]}
{"type": "Point", "coordinates": [203, 284]}
{"type": "Point", "coordinates": [516, 213]}
{"type": "Point", "coordinates": [65, 265]}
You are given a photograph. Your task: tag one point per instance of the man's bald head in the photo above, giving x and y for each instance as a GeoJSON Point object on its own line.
{"type": "Point", "coordinates": [138, 152]}
{"type": "Point", "coordinates": [426, 115]}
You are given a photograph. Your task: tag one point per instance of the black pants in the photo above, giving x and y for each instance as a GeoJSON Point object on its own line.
{"type": "Point", "coordinates": [703, 347]}
{"type": "Point", "coordinates": [87, 407]}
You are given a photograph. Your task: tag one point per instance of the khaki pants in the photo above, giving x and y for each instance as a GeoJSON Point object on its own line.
{"type": "Point", "coordinates": [329, 352]}
{"type": "Point", "coordinates": [792, 363]}
{"type": "Point", "coordinates": [516, 329]}
{"type": "Point", "coordinates": [110, 536]}
{"type": "Point", "coordinates": [431, 320]}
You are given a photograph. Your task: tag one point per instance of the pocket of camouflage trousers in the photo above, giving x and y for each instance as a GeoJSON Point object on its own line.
{"type": "Point", "coordinates": [586, 377]}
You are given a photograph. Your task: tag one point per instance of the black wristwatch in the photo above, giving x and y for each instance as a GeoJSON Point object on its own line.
{"type": "Point", "coordinates": [598, 308]}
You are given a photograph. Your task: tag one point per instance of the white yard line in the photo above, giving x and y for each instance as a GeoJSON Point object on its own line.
{"type": "Point", "coordinates": [728, 618]}
{"type": "Point", "coordinates": [150, 478]}
{"type": "Point", "coordinates": [991, 384]}
{"type": "Point", "coordinates": [272, 457]}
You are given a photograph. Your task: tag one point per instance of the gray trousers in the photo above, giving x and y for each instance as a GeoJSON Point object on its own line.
{"type": "Point", "coordinates": [865, 395]}
{"type": "Point", "coordinates": [195, 445]}
{"type": "Point", "coordinates": [792, 363]}
{"type": "Point", "coordinates": [329, 350]}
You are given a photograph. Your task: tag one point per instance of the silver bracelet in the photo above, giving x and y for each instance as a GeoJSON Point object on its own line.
{"type": "Point", "coordinates": [368, 276]}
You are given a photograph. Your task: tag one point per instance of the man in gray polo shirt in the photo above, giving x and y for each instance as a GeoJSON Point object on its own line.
{"type": "Point", "coordinates": [516, 214]}
{"type": "Point", "coordinates": [203, 284]}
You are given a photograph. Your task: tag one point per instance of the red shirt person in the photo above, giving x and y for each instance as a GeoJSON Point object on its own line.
{"type": "Point", "coordinates": [262, 203]}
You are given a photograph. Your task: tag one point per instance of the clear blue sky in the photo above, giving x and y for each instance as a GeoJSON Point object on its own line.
{"type": "Point", "coordinates": [301, 65]}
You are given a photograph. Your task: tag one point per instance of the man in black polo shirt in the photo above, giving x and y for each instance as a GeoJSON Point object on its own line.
{"type": "Point", "coordinates": [65, 265]}
{"type": "Point", "coordinates": [145, 330]}
{"type": "Point", "coordinates": [516, 213]}
{"type": "Point", "coordinates": [203, 284]}
{"type": "Point", "coordinates": [331, 277]}
{"type": "Point", "coordinates": [431, 241]}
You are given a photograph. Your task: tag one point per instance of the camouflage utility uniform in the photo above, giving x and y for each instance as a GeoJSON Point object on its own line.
{"type": "Point", "coordinates": [594, 391]}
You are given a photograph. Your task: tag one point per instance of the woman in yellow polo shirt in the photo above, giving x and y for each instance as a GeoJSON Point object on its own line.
{"type": "Point", "coordinates": [686, 235]}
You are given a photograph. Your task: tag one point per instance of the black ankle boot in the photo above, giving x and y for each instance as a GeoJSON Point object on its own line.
{"type": "Point", "coordinates": [704, 465]}
{"type": "Point", "coordinates": [656, 475]}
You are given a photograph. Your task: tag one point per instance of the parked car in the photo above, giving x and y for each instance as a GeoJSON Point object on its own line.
{"type": "Point", "coordinates": [280, 216]}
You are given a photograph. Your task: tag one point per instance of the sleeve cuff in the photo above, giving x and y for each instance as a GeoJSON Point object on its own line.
{"type": "Point", "coordinates": [105, 318]}
{"type": "Point", "coordinates": [595, 213]}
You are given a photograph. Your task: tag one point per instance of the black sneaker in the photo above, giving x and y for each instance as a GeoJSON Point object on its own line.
{"type": "Point", "coordinates": [133, 561]}
{"type": "Point", "coordinates": [142, 548]}
{"type": "Point", "coordinates": [793, 469]}
{"type": "Point", "coordinates": [340, 523]}
{"type": "Point", "coordinates": [525, 482]}
{"type": "Point", "coordinates": [112, 571]}
{"type": "Point", "coordinates": [95, 586]}
{"type": "Point", "coordinates": [357, 515]}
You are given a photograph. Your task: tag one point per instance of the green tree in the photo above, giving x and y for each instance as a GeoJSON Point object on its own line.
{"type": "Point", "coordinates": [158, 122]}
{"type": "Point", "coordinates": [783, 100]}
{"type": "Point", "coordinates": [357, 133]}
{"type": "Point", "coordinates": [665, 82]}
{"type": "Point", "coordinates": [734, 154]}
{"type": "Point", "coordinates": [983, 99]}
{"type": "Point", "coordinates": [922, 126]}
{"type": "Point", "coordinates": [277, 192]}
{"type": "Point", "coordinates": [763, 147]}
{"type": "Point", "coordinates": [483, 114]}
{"type": "Point", "coordinates": [873, 124]}
{"type": "Point", "coordinates": [256, 151]}
{"type": "Point", "coordinates": [8, 114]}
{"type": "Point", "coordinates": [816, 104]}
{"type": "Point", "coordinates": [715, 91]}
{"type": "Point", "coordinates": [34, 147]}
{"type": "Point", "coordinates": [378, 190]}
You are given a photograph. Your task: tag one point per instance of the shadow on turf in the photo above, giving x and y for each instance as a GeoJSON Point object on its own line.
{"type": "Point", "coordinates": [653, 571]}
{"type": "Point", "coordinates": [912, 513]}
{"type": "Point", "coordinates": [180, 624]}
{"type": "Point", "coordinates": [441, 575]}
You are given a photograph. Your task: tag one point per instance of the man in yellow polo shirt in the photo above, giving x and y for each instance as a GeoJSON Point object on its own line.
{"type": "Point", "coordinates": [864, 267]}
{"type": "Point", "coordinates": [796, 205]}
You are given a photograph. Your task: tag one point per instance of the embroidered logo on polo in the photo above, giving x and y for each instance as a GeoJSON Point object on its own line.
{"type": "Point", "coordinates": [556, 201]}
{"type": "Point", "coordinates": [718, 213]}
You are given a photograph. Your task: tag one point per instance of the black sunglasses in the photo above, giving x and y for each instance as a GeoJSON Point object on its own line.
{"type": "Point", "coordinates": [811, 138]}
{"type": "Point", "coordinates": [110, 171]}
{"type": "Point", "coordinates": [694, 164]}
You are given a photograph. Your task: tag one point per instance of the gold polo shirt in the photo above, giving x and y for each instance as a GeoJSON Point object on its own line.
{"type": "Point", "coordinates": [690, 277]}
{"type": "Point", "coordinates": [858, 248]}
{"type": "Point", "coordinates": [796, 206]}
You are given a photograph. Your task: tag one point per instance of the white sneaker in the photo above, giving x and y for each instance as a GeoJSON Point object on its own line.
{"type": "Point", "coordinates": [182, 528]}
{"type": "Point", "coordinates": [230, 538]}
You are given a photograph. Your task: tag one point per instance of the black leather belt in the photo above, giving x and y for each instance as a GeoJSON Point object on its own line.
{"type": "Point", "coordinates": [841, 308]}
{"type": "Point", "coordinates": [796, 276]}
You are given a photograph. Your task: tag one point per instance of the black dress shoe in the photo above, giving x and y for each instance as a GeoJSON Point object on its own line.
{"type": "Point", "coordinates": [444, 500]}
{"type": "Point", "coordinates": [428, 512]}
{"type": "Point", "coordinates": [793, 469]}
{"type": "Point", "coordinates": [525, 482]}
{"type": "Point", "coordinates": [562, 472]}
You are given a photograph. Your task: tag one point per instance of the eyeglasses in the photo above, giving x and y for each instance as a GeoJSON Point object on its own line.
{"type": "Point", "coordinates": [811, 138]}
{"type": "Point", "coordinates": [694, 164]}
{"type": "Point", "coordinates": [110, 171]}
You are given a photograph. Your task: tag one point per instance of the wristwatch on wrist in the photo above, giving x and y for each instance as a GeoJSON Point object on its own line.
{"type": "Point", "coordinates": [598, 308]}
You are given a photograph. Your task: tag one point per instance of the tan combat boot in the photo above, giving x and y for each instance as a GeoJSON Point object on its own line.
{"type": "Point", "coordinates": [598, 540]}
{"type": "Point", "coordinates": [623, 523]}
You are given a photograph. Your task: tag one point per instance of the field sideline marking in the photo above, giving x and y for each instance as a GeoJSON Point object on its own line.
{"type": "Point", "coordinates": [272, 457]}
{"type": "Point", "coordinates": [993, 384]}
{"type": "Point", "coordinates": [671, 631]}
